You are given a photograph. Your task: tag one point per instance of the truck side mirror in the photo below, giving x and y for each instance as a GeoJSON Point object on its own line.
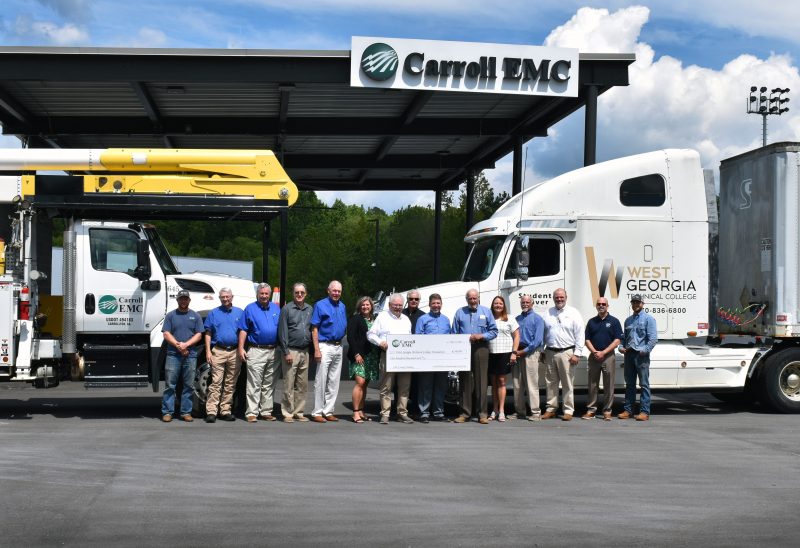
{"type": "Point", "coordinates": [142, 272]}
{"type": "Point", "coordinates": [523, 258]}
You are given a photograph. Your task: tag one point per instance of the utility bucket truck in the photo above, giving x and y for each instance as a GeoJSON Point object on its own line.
{"type": "Point", "coordinates": [118, 278]}
{"type": "Point", "coordinates": [726, 302]}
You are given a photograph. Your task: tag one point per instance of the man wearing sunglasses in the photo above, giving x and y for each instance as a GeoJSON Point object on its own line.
{"type": "Point", "coordinates": [603, 335]}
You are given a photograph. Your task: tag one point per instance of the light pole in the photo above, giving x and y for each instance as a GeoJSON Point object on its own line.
{"type": "Point", "coordinates": [759, 103]}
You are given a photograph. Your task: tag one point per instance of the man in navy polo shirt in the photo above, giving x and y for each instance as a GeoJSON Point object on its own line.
{"type": "Point", "coordinates": [603, 335]}
{"type": "Point", "coordinates": [328, 326]}
{"type": "Point", "coordinates": [258, 340]}
{"type": "Point", "coordinates": [183, 329]}
{"type": "Point", "coordinates": [222, 339]}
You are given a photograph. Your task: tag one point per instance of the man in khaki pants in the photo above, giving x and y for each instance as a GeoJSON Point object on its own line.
{"type": "Point", "coordinates": [294, 339]}
{"type": "Point", "coordinates": [564, 337]}
{"type": "Point", "coordinates": [525, 372]}
{"type": "Point", "coordinates": [392, 322]}
{"type": "Point", "coordinates": [221, 339]}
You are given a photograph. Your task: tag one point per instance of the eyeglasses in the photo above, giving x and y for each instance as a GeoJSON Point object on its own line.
{"type": "Point", "coordinates": [413, 298]}
{"type": "Point", "coordinates": [299, 292]}
{"type": "Point", "coordinates": [602, 304]}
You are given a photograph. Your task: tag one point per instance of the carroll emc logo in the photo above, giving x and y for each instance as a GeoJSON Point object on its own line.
{"type": "Point", "coordinates": [395, 343]}
{"type": "Point", "coordinates": [379, 61]}
{"type": "Point", "coordinates": [108, 304]}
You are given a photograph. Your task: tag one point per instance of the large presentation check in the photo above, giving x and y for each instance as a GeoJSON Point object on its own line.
{"type": "Point", "coordinates": [427, 353]}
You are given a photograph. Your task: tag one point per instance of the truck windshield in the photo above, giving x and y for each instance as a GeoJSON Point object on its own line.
{"type": "Point", "coordinates": [160, 251]}
{"type": "Point", "coordinates": [482, 258]}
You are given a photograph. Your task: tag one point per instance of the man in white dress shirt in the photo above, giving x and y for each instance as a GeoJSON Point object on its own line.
{"type": "Point", "coordinates": [564, 338]}
{"type": "Point", "coordinates": [392, 322]}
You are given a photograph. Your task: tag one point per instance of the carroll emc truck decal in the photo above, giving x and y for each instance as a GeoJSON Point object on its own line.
{"type": "Point", "coordinates": [651, 281]}
{"type": "Point", "coordinates": [120, 310]}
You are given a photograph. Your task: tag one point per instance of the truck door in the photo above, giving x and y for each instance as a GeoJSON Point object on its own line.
{"type": "Point", "coordinates": [110, 299]}
{"type": "Point", "coordinates": [545, 273]}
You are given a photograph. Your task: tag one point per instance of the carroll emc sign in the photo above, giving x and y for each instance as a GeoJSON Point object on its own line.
{"type": "Point", "coordinates": [463, 66]}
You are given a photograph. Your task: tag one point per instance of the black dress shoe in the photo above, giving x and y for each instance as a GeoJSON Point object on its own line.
{"type": "Point", "coordinates": [211, 418]}
{"type": "Point", "coordinates": [424, 420]}
{"type": "Point", "coordinates": [227, 418]}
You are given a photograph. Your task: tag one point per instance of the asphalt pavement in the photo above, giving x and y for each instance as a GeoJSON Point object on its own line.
{"type": "Point", "coordinates": [98, 468]}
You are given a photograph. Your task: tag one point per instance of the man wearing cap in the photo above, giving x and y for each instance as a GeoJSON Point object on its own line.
{"type": "Point", "coordinates": [638, 341]}
{"type": "Point", "coordinates": [328, 327]}
{"type": "Point", "coordinates": [564, 337]}
{"type": "Point", "coordinates": [183, 329]}
{"type": "Point", "coordinates": [221, 341]}
{"type": "Point", "coordinates": [294, 338]}
{"type": "Point", "coordinates": [603, 335]}
{"type": "Point", "coordinates": [258, 342]}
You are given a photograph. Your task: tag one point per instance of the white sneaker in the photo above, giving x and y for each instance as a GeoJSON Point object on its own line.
{"type": "Point", "coordinates": [501, 417]}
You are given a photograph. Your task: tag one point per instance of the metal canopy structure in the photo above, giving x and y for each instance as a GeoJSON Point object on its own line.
{"type": "Point", "coordinates": [328, 135]}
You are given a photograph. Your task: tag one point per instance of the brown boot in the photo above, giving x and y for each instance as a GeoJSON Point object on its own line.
{"type": "Point", "coordinates": [624, 415]}
{"type": "Point", "coordinates": [549, 415]}
{"type": "Point", "coordinates": [642, 417]}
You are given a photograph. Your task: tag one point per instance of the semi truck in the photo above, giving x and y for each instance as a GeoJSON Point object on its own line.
{"type": "Point", "coordinates": [118, 278]}
{"type": "Point", "coordinates": [724, 289]}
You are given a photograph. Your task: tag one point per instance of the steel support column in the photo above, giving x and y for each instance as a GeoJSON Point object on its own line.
{"type": "Point", "coordinates": [590, 128]}
{"type": "Point", "coordinates": [284, 247]}
{"type": "Point", "coordinates": [516, 180]}
{"type": "Point", "coordinates": [437, 235]}
{"type": "Point", "coordinates": [265, 251]}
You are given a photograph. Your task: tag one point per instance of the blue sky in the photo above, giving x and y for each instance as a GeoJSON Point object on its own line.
{"type": "Point", "coordinates": [695, 59]}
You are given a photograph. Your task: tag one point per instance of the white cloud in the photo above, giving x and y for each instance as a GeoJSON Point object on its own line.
{"type": "Point", "coordinates": [50, 33]}
{"type": "Point", "coordinates": [667, 104]}
{"type": "Point", "coordinates": [148, 37]}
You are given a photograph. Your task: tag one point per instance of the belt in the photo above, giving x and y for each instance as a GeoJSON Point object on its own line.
{"type": "Point", "coordinates": [561, 349]}
{"type": "Point", "coordinates": [223, 347]}
{"type": "Point", "coordinates": [334, 343]}
{"type": "Point", "coordinates": [263, 346]}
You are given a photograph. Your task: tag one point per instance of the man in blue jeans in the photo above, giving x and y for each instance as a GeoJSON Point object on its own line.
{"type": "Point", "coordinates": [432, 385]}
{"type": "Point", "coordinates": [638, 341]}
{"type": "Point", "coordinates": [183, 329]}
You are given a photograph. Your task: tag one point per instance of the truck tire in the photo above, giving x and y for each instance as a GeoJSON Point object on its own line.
{"type": "Point", "coordinates": [780, 381]}
{"type": "Point", "coordinates": [202, 378]}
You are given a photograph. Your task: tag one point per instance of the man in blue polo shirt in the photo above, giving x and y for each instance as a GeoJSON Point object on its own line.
{"type": "Point", "coordinates": [431, 386]}
{"type": "Point", "coordinates": [525, 373]}
{"type": "Point", "coordinates": [222, 339]}
{"type": "Point", "coordinates": [328, 327]}
{"type": "Point", "coordinates": [603, 335]}
{"type": "Point", "coordinates": [478, 322]}
{"type": "Point", "coordinates": [258, 340]}
{"type": "Point", "coordinates": [183, 329]}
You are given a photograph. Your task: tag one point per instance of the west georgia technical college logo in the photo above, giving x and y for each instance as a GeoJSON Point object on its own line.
{"type": "Point", "coordinates": [379, 61]}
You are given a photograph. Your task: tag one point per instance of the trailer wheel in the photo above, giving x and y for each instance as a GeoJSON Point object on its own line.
{"type": "Point", "coordinates": [780, 381]}
{"type": "Point", "coordinates": [202, 378]}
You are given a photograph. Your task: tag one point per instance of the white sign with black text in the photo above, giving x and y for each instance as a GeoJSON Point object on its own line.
{"type": "Point", "coordinates": [400, 63]}
{"type": "Point", "coordinates": [438, 353]}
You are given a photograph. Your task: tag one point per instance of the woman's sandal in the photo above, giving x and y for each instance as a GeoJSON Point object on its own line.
{"type": "Point", "coordinates": [357, 420]}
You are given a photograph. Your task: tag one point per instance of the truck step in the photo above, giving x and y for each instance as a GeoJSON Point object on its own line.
{"type": "Point", "coordinates": [115, 365]}
{"type": "Point", "coordinates": [115, 381]}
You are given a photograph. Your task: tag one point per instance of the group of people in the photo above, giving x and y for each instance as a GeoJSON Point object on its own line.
{"type": "Point", "coordinates": [264, 336]}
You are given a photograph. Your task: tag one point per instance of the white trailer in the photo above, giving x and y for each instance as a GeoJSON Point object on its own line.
{"type": "Point", "coordinates": [647, 224]}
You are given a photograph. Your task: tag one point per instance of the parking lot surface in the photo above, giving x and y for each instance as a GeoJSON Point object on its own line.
{"type": "Point", "coordinates": [98, 468]}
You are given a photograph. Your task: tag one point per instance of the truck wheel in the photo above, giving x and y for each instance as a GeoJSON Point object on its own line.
{"type": "Point", "coordinates": [202, 378]}
{"type": "Point", "coordinates": [780, 381]}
